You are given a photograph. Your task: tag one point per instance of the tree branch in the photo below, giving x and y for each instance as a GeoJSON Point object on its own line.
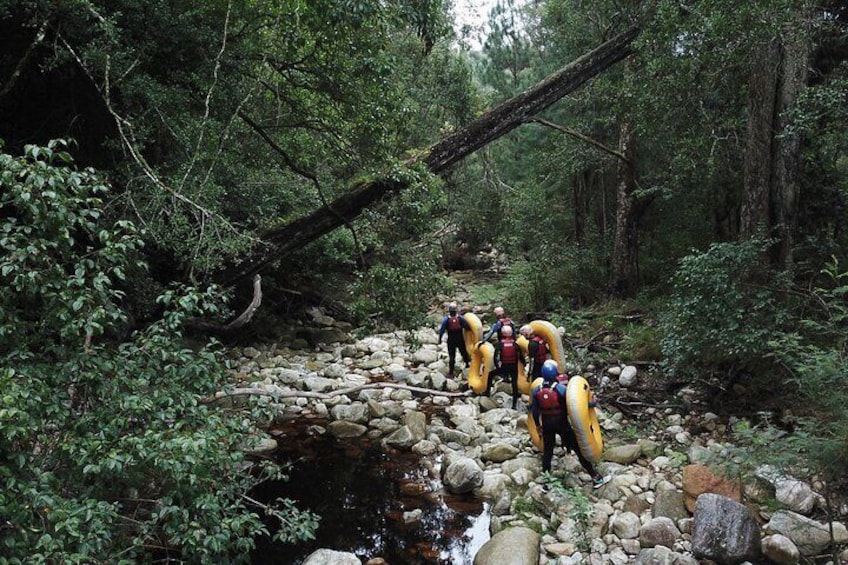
{"type": "Point", "coordinates": [581, 137]}
{"type": "Point", "coordinates": [257, 391]}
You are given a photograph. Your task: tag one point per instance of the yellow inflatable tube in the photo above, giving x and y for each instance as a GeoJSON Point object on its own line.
{"type": "Point", "coordinates": [548, 332]}
{"type": "Point", "coordinates": [583, 419]}
{"type": "Point", "coordinates": [535, 433]}
{"type": "Point", "coordinates": [482, 356]}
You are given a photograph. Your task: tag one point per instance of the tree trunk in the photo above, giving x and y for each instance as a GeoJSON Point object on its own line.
{"type": "Point", "coordinates": [625, 272]}
{"type": "Point", "coordinates": [796, 52]}
{"type": "Point", "coordinates": [773, 155]}
{"type": "Point", "coordinates": [759, 164]}
{"type": "Point", "coordinates": [438, 158]}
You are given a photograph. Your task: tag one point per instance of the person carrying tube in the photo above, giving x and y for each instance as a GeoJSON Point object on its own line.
{"type": "Point", "coordinates": [453, 324]}
{"type": "Point", "coordinates": [550, 414]}
{"type": "Point", "coordinates": [507, 357]}
{"type": "Point", "coordinates": [537, 352]}
{"type": "Point", "coordinates": [497, 327]}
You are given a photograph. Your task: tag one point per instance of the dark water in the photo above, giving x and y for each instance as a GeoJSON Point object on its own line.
{"type": "Point", "coordinates": [361, 492]}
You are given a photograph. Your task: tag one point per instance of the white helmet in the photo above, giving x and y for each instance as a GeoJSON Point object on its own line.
{"type": "Point", "coordinates": [506, 331]}
{"type": "Point", "coordinates": [526, 330]}
{"type": "Point", "coordinates": [499, 312]}
{"type": "Point", "coordinates": [452, 307]}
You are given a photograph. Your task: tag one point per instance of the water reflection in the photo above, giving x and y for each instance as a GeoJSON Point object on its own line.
{"type": "Point", "coordinates": [361, 493]}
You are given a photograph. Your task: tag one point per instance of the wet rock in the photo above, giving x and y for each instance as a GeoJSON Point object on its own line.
{"type": "Point", "coordinates": [342, 429]}
{"type": "Point", "coordinates": [659, 555]}
{"type": "Point", "coordinates": [357, 413]}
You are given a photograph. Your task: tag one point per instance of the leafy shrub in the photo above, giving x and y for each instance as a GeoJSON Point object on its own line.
{"type": "Point", "coordinates": [108, 452]}
{"type": "Point", "coordinates": [398, 293]}
{"type": "Point", "coordinates": [722, 313]}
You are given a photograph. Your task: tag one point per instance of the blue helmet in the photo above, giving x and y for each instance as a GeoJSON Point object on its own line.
{"type": "Point", "coordinates": [550, 370]}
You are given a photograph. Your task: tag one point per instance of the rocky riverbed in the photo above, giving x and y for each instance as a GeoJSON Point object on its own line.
{"type": "Point", "coordinates": [666, 502]}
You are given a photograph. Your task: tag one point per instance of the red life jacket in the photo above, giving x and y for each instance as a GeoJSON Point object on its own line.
{"type": "Point", "coordinates": [454, 325]}
{"type": "Point", "coordinates": [549, 400]}
{"type": "Point", "coordinates": [509, 351]}
{"type": "Point", "coordinates": [541, 350]}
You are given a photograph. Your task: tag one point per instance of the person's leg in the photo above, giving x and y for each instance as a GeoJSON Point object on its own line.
{"type": "Point", "coordinates": [451, 358]}
{"type": "Point", "coordinates": [597, 478]}
{"type": "Point", "coordinates": [513, 377]}
{"type": "Point", "coordinates": [549, 439]}
{"type": "Point", "coordinates": [464, 352]}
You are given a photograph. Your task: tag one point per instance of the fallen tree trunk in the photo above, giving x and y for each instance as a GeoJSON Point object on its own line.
{"type": "Point", "coordinates": [281, 241]}
{"type": "Point", "coordinates": [259, 391]}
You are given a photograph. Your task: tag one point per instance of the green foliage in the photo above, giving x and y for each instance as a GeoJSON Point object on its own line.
{"type": "Point", "coordinates": [108, 452]}
{"type": "Point", "coordinates": [722, 313]}
{"type": "Point", "coordinates": [397, 294]}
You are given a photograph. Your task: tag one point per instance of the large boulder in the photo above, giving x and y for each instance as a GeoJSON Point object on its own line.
{"type": "Point", "coordinates": [463, 475]}
{"type": "Point", "coordinates": [810, 536]}
{"type": "Point", "coordinates": [698, 479]}
{"type": "Point", "coordinates": [512, 546]}
{"type": "Point", "coordinates": [724, 531]}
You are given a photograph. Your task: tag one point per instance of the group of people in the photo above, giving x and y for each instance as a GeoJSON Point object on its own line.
{"type": "Point", "coordinates": [548, 406]}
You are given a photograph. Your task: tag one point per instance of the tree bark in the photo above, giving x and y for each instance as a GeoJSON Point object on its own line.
{"type": "Point", "coordinates": [762, 94]}
{"type": "Point", "coordinates": [624, 271]}
{"type": "Point", "coordinates": [438, 158]}
{"type": "Point", "coordinates": [796, 51]}
{"type": "Point", "coordinates": [773, 153]}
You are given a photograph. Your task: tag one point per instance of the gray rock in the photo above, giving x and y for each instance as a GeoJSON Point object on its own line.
{"type": "Point", "coordinates": [781, 550]}
{"type": "Point", "coordinates": [344, 429]}
{"type": "Point", "coordinates": [795, 495]}
{"type": "Point", "coordinates": [659, 531]}
{"type": "Point", "coordinates": [512, 546]}
{"type": "Point", "coordinates": [331, 557]}
{"type": "Point", "coordinates": [659, 555]}
{"type": "Point", "coordinates": [463, 475]}
{"type": "Point", "coordinates": [623, 454]}
{"type": "Point", "coordinates": [357, 413]}
{"type": "Point", "coordinates": [627, 378]}
{"type": "Point", "coordinates": [626, 525]}
{"type": "Point", "coordinates": [499, 452]}
{"type": "Point", "coordinates": [671, 504]}
{"type": "Point", "coordinates": [724, 530]}
{"type": "Point", "coordinates": [810, 536]}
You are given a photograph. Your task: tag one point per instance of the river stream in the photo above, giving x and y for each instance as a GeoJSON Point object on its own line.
{"type": "Point", "coordinates": [361, 491]}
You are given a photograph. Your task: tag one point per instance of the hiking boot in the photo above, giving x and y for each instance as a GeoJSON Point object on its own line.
{"type": "Point", "coordinates": [598, 481]}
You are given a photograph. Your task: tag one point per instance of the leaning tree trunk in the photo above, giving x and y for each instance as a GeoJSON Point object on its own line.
{"type": "Point", "coordinates": [437, 159]}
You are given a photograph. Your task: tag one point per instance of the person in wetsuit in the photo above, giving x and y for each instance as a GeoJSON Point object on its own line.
{"type": "Point", "coordinates": [453, 324]}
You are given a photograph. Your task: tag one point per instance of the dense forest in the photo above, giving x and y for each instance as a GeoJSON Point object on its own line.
{"type": "Point", "coordinates": [685, 161]}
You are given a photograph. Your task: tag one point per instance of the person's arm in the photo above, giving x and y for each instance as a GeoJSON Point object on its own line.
{"type": "Point", "coordinates": [593, 400]}
{"type": "Point", "coordinates": [534, 408]}
{"type": "Point", "coordinates": [532, 346]}
{"type": "Point", "coordinates": [492, 331]}
{"type": "Point", "coordinates": [464, 323]}
{"type": "Point", "coordinates": [442, 328]}
{"type": "Point", "coordinates": [497, 359]}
